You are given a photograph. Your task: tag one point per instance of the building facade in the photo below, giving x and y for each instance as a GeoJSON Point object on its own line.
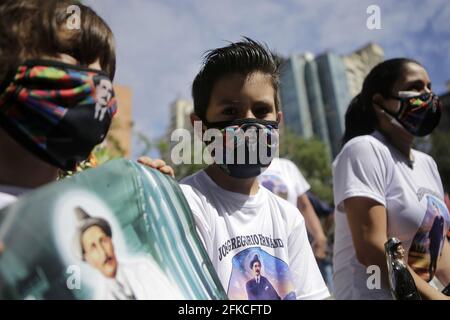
{"type": "Point", "coordinates": [316, 91]}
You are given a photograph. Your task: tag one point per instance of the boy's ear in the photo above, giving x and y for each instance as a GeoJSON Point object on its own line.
{"type": "Point", "coordinates": [280, 118]}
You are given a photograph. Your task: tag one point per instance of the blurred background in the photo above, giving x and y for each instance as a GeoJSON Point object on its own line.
{"type": "Point", "coordinates": [327, 47]}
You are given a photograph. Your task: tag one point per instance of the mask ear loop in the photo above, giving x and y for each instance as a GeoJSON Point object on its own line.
{"type": "Point", "coordinates": [392, 114]}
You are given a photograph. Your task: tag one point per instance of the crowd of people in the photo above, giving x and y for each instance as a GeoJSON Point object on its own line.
{"type": "Point", "coordinates": [57, 103]}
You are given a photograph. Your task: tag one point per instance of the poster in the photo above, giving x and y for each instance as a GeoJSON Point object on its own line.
{"type": "Point", "coordinates": [120, 231]}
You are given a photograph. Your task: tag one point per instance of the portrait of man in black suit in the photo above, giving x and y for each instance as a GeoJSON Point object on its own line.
{"type": "Point", "coordinates": [259, 287]}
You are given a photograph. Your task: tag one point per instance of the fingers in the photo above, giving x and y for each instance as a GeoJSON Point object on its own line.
{"type": "Point", "coordinates": [146, 161]}
{"type": "Point", "coordinates": [168, 170]}
{"type": "Point", "coordinates": [157, 164]}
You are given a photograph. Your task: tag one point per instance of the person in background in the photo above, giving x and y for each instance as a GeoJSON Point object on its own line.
{"type": "Point", "coordinates": [285, 180]}
{"type": "Point", "coordinates": [383, 188]}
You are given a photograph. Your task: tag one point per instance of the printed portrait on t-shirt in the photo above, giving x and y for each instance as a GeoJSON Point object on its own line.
{"type": "Point", "coordinates": [257, 275]}
{"type": "Point", "coordinates": [274, 184]}
{"type": "Point", "coordinates": [427, 244]}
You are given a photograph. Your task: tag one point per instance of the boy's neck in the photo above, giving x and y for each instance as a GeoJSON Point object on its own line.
{"type": "Point", "coordinates": [21, 168]}
{"type": "Point", "coordinates": [249, 186]}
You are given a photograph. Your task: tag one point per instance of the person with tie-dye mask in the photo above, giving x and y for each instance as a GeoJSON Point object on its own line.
{"type": "Point", "coordinates": [56, 96]}
{"type": "Point", "coordinates": [384, 188]}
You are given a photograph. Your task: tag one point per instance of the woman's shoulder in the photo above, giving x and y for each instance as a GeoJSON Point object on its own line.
{"type": "Point", "coordinates": [364, 146]}
{"type": "Point", "coordinates": [424, 158]}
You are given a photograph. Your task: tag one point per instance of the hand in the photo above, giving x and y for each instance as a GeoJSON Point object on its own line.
{"type": "Point", "coordinates": [2, 247]}
{"type": "Point", "coordinates": [157, 164]}
{"type": "Point", "coordinates": [319, 247]}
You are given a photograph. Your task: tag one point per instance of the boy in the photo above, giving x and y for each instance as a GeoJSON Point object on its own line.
{"type": "Point", "coordinates": [237, 219]}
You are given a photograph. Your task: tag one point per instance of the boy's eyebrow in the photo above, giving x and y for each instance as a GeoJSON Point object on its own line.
{"type": "Point", "coordinates": [226, 101]}
{"type": "Point", "coordinates": [265, 103]}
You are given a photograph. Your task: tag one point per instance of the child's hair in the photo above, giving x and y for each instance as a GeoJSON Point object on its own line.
{"type": "Point", "coordinates": [35, 28]}
{"type": "Point", "coordinates": [360, 118]}
{"type": "Point", "coordinates": [244, 57]}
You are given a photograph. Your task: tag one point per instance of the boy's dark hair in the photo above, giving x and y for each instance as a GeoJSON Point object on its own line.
{"type": "Point", "coordinates": [244, 57]}
{"type": "Point", "coordinates": [35, 28]}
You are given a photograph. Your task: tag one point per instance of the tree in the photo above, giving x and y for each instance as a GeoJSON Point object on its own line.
{"type": "Point", "coordinates": [313, 159]}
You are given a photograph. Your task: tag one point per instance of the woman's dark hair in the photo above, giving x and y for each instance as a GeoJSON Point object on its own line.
{"type": "Point", "coordinates": [360, 117]}
{"type": "Point", "coordinates": [244, 57]}
{"type": "Point", "coordinates": [30, 29]}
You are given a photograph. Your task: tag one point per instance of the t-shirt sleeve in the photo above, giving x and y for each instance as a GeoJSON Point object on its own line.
{"type": "Point", "coordinates": [436, 176]}
{"type": "Point", "coordinates": [200, 215]}
{"type": "Point", "coordinates": [308, 281]}
{"type": "Point", "coordinates": [360, 171]}
{"type": "Point", "coordinates": [300, 183]}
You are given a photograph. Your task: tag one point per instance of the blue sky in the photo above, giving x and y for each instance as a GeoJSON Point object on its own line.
{"type": "Point", "coordinates": [160, 43]}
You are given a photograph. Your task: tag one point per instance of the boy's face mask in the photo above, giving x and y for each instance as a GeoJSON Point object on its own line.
{"type": "Point", "coordinates": [419, 114]}
{"type": "Point", "coordinates": [58, 111]}
{"type": "Point", "coordinates": [249, 145]}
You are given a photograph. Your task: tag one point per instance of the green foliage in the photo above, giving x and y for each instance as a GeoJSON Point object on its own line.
{"type": "Point", "coordinates": [99, 155]}
{"type": "Point", "coordinates": [313, 159]}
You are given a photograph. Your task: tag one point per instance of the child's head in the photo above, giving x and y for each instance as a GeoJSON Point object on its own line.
{"type": "Point", "coordinates": [48, 67]}
{"type": "Point", "coordinates": [34, 29]}
{"type": "Point", "coordinates": [237, 81]}
{"type": "Point", "coordinates": [236, 91]}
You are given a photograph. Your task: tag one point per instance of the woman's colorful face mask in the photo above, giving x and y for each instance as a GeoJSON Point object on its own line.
{"type": "Point", "coordinates": [419, 114]}
{"type": "Point", "coordinates": [58, 111]}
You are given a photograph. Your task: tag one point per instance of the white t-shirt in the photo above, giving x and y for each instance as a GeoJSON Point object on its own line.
{"type": "Point", "coordinates": [370, 167]}
{"type": "Point", "coordinates": [283, 178]}
{"type": "Point", "coordinates": [9, 194]}
{"type": "Point", "coordinates": [238, 230]}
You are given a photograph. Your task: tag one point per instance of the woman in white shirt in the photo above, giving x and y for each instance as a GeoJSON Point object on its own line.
{"type": "Point", "coordinates": [383, 188]}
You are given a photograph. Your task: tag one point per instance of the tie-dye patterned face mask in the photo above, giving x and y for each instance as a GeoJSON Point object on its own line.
{"type": "Point", "coordinates": [419, 114]}
{"type": "Point", "coordinates": [58, 111]}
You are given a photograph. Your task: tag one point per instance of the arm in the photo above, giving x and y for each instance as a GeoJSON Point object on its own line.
{"type": "Point", "coordinates": [368, 224]}
{"type": "Point", "coordinates": [443, 268]}
{"type": "Point", "coordinates": [313, 226]}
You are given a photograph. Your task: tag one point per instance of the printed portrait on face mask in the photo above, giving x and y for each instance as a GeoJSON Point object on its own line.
{"type": "Point", "coordinates": [103, 94]}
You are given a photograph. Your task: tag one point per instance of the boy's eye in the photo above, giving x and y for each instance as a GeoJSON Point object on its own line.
{"type": "Point", "coordinates": [229, 111]}
{"type": "Point", "coordinates": [262, 110]}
